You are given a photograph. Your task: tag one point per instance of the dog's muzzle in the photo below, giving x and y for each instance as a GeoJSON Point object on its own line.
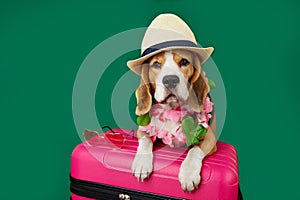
{"type": "Point", "coordinates": [170, 81]}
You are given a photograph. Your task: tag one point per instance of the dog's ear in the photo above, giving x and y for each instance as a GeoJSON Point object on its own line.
{"type": "Point", "coordinates": [143, 94]}
{"type": "Point", "coordinates": [199, 87]}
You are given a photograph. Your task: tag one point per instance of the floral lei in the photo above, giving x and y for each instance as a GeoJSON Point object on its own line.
{"type": "Point", "coordinates": [190, 126]}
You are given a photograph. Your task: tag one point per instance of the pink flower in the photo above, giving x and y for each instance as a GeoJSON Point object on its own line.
{"type": "Point", "coordinates": [173, 115]}
{"type": "Point", "coordinates": [201, 117]}
{"type": "Point", "coordinates": [153, 138]}
{"type": "Point", "coordinates": [179, 135]}
{"type": "Point", "coordinates": [208, 105]}
{"type": "Point", "coordinates": [166, 137]}
{"type": "Point", "coordinates": [177, 114]}
{"type": "Point", "coordinates": [156, 110]}
{"type": "Point", "coordinates": [168, 140]}
{"type": "Point", "coordinates": [153, 131]}
{"type": "Point", "coordinates": [163, 133]}
{"type": "Point", "coordinates": [179, 138]}
{"type": "Point", "coordinates": [161, 117]}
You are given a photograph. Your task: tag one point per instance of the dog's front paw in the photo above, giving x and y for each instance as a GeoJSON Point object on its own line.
{"type": "Point", "coordinates": [189, 177]}
{"type": "Point", "coordinates": [189, 173]}
{"type": "Point", "coordinates": [142, 165]}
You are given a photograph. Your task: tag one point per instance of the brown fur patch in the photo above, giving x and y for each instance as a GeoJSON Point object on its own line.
{"type": "Point", "coordinates": [153, 72]}
{"type": "Point", "coordinates": [143, 94]}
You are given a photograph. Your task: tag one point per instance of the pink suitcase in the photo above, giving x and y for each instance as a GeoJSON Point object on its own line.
{"type": "Point", "coordinates": [104, 172]}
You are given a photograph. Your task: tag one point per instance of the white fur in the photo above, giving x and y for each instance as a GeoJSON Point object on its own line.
{"type": "Point", "coordinates": [142, 165]}
{"type": "Point", "coordinates": [170, 68]}
{"type": "Point", "coordinates": [189, 173]}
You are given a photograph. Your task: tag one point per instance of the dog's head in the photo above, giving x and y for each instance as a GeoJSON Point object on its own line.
{"type": "Point", "coordinates": [172, 77]}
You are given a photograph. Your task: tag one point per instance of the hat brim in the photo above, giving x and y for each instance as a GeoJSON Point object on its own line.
{"type": "Point", "coordinates": [204, 53]}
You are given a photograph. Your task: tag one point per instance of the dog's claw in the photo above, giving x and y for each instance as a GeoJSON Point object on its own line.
{"type": "Point", "coordinates": [195, 185]}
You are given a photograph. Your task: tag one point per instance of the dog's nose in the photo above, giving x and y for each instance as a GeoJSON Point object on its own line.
{"type": "Point", "coordinates": [170, 81]}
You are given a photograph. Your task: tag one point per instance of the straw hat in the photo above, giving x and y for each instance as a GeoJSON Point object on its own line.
{"type": "Point", "coordinates": [167, 32]}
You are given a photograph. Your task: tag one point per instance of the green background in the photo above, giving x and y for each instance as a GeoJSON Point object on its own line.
{"type": "Point", "coordinates": [43, 43]}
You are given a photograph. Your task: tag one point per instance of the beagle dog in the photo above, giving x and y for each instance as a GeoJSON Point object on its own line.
{"type": "Point", "coordinates": [173, 78]}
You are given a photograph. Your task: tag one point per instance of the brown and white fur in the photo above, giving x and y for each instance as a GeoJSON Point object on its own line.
{"type": "Point", "coordinates": [188, 88]}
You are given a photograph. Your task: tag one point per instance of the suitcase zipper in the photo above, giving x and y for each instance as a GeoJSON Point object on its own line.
{"type": "Point", "coordinates": [106, 192]}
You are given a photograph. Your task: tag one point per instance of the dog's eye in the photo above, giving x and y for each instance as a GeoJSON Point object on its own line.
{"type": "Point", "coordinates": [184, 62]}
{"type": "Point", "coordinates": [156, 65]}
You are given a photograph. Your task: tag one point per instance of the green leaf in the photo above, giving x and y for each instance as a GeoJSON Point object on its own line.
{"type": "Point", "coordinates": [143, 120]}
{"type": "Point", "coordinates": [212, 84]}
{"type": "Point", "coordinates": [190, 138]}
{"type": "Point", "coordinates": [192, 130]}
{"type": "Point", "coordinates": [195, 141]}
{"type": "Point", "coordinates": [188, 124]}
{"type": "Point", "coordinates": [201, 131]}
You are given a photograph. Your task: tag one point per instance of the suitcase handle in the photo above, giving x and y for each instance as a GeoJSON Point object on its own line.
{"type": "Point", "coordinates": [111, 130]}
{"type": "Point", "coordinates": [131, 133]}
